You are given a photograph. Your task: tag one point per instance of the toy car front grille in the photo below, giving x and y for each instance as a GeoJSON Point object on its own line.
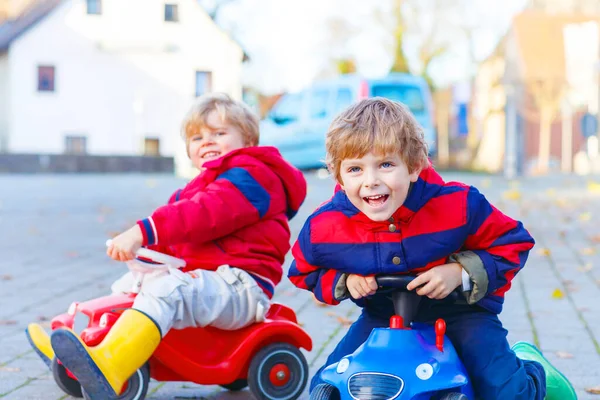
{"type": "Point", "coordinates": [374, 386]}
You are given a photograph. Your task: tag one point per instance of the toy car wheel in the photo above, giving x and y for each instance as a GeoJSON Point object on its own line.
{"type": "Point", "coordinates": [137, 385]}
{"type": "Point", "coordinates": [236, 385]}
{"type": "Point", "coordinates": [454, 396]}
{"type": "Point", "coordinates": [278, 371]}
{"type": "Point", "coordinates": [67, 384]}
{"type": "Point", "coordinates": [325, 391]}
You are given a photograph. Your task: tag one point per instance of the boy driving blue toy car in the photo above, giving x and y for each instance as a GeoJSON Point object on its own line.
{"type": "Point", "coordinates": [393, 213]}
{"type": "Point", "coordinates": [229, 224]}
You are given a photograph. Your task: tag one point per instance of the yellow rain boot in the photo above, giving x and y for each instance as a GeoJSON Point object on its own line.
{"type": "Point", "coordinates": [104, 369]}
{"type": "Point", "coordinates": [40, 341]}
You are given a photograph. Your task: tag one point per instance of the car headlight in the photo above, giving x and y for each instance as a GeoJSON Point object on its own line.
{"type": "Point", "coordinates": [342, 366]}
{"type": "Point", "coordinates": [424, 371]}
{"type": "Point", "coordinates": [72, 308]}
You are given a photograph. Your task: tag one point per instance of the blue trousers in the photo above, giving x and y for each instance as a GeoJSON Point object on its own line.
{"type": "Point", "coordinates": [479, 339]}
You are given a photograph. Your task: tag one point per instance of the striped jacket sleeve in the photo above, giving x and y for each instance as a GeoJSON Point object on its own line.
{"type": "Point", "coordinates": [234, 200]}
{"type": "Point", "coordinates": [501, 243]}
{"type": "Point", "coordinates": [306, 274]}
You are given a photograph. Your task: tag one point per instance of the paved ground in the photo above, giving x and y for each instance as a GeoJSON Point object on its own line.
{"type": "Point", "coordinates": [53, 229]}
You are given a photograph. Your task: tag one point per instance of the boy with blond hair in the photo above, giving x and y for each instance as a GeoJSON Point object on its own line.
{"type": "Point", "coordinates": [230, 225]}
{"type": "Point", "coordinates": [392, 213]}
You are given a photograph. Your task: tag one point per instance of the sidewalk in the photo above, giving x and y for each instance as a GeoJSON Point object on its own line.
{"type": "Point", "coordinates": [52, 248]}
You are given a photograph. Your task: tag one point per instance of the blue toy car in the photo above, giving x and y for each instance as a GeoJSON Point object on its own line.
{"type": "Point", "coordinates": [405, 361]}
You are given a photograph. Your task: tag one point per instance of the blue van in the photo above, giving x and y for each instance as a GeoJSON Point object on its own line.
{"type": "Point", "coordinates": [298, 122]}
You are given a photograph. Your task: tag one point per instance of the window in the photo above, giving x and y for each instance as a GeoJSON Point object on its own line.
{"type": "Point", "coordinates": [342, 100]}
{"type": "Point", "coordinates": [412, 96]}
{"type": "Point", "coordinates": [318, 104]}
{"type": "Point", "coordinates": [75, 144]}
{"type": "Point", "coordinates": [203, 82]}
{"type": "Point", "coordinates": [94, 7]}
{"type": "Point", "coordinates": [171, 12]}
{"type": "Point", "coordinates": [45, 78]}
{"type": "Point", "coordinates": [151, 147]}
{"type": "Point", "coordinates": [287, 109]}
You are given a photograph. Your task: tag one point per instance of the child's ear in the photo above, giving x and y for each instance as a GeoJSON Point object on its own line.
{"type": "Point", "coordinates": [414, 176]}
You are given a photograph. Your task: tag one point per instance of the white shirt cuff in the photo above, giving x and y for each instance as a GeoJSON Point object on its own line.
{"type": "Point", "coordinates": [466, 281]}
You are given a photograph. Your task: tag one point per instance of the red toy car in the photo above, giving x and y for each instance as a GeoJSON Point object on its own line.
{"type": "Point", "coordinates": [264, 356]}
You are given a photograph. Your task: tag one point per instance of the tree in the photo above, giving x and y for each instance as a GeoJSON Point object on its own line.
{"type": "Point", "coordinates": [547, 95]}
{"type": "Point", "coordinates": [400, 63]}
{"type": "Point", "coordinates": [435, 28]}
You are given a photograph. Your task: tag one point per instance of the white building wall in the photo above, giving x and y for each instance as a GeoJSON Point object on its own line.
{"type": "Point", "coordinates": [4, 102]}
{"type": "Point", "coordinates": [119, 76]}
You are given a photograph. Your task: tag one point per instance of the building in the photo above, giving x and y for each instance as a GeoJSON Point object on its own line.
{"type": "Point", "coordinates": [533, 90]}
{"type": "Point", "coordinates": [109, 77]}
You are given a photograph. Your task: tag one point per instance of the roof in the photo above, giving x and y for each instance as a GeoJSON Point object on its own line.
{"type": "Point", "coordinates": [540, 43]}
{"type": "Point", "coordinates": [12, 29]}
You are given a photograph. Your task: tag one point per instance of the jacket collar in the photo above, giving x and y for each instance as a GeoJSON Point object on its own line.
{"type": "Point", "coordinates": [420, 192]}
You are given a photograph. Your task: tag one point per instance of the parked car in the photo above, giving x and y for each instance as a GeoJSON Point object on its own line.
{"type": "Point", "coordinates": [298, 122]}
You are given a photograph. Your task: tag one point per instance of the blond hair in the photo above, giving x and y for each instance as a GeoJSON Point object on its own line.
{"type": "Point", "coordinates": [230, 111]}
{"type": "Point", "coordinates": [376, 125]}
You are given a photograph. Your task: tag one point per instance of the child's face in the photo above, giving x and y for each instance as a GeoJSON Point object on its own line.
{"type": "Point", "coordinates": [376, 185]}
{"type": "Point", "coordinates": [214, 140]}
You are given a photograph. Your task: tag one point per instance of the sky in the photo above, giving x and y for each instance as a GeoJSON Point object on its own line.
{"type": "Point", "coordinates": [290, 42]}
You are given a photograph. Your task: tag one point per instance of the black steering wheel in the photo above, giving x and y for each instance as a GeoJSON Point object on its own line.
{"type": "Point", "coordinates": [399, 282]}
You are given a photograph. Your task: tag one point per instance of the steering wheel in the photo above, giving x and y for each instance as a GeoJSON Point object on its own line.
{"type": "Point", "coordinates": [399, 283]}
{"type": "Point", "coordinates": [157, 257]}
{"type": "Point", "coordinates": [139, 268]}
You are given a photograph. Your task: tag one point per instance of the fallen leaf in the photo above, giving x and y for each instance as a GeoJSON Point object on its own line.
{"type": "Point", "coordinates": [42, 318]}
{"type": "Point", "coordinates": [318, 303]}
{"type": "Point", "coordinates": [593, 390]}
{"type": "Point", "coordinates": [512, 194]}
{"type": "Point", "coordinates": [561, 203]}
{"type": "Point", "coordinates": [596, 239]}
{"type": "Point", "coordinates": [588, 251]}
{"type": "Point", "coordinates": [586, 216]}
{"type": "Point", "coordinates": [544, 252]}
{"type": "Point", "coordinates": [10, 369]}
{"type": "Point", "coordinates": [563, 354]}
{"type": "Point", "coordinates": [300, 323]}
{"type": "Point", "coordinates": [593, 187]}
{"type": "Point", "coordinates": [344, 321]}
{"type": "Point", "coordinates": [331, 314]}
{"type": "Point", "coordinates": [562, 234]}
{"type": "Point", "coordinates": [587, 267]}
{"type": "Point", "coordinates": [6, 277]}
{"type": "Point", "coordinates": [558, 294]}
{"type": "Point", "coordinates": [7, 322]}
{"type": "Point", "coordinates": [72, 254]}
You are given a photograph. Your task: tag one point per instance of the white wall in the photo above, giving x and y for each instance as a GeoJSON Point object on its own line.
{"type": "Point", "coordinates": [4, 102]}
{"type": "Point", "coordinates": [110, 65]}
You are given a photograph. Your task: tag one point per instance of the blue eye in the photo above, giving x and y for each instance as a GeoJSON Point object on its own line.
{"type": "Point", "coordinates": [221, 133]}
{"type": "Point", "coordinates": [354, 169]}
{"type": "Point", "coordinates": [196, 138]}
{"type": "Point", "coordinates": [386, 165]}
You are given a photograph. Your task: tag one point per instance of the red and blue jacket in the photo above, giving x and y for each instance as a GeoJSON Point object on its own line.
{"type": "Point", "coordinates": [235, 212]}
{"type": "Point", "coordinates": [437, 220]}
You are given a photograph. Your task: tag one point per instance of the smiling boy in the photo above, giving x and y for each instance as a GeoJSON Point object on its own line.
{"type": "Point", "coordinates": [230, 225]}
{"type": "Point", "coordinates": [393, 213]}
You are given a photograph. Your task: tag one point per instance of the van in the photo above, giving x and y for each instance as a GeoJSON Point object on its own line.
{"type": "Point", "coordinates": [298, 122]}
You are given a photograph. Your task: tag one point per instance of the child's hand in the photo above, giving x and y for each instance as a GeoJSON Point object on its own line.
{"type": "Point", "coordinates": [439, 281]}
{"type": "Point", "coordinates": [361, 286]}
{"type": "Point", "coordinates": [124, 246]}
